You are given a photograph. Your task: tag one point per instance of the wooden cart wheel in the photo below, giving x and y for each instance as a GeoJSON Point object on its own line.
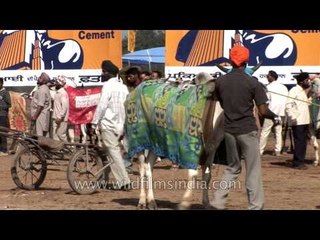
{"type": "Point", "coordinates": [29, 168]}
{"type": "Point", "coordinates": [85, 175]}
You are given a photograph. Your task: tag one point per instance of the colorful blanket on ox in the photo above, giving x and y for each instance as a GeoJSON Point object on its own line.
{"type": "Point", "coordinates": [167, 120]}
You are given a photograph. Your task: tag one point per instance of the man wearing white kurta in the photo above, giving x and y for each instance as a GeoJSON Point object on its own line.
{"type": "Point", "coordinates": [110, 117]}
{"type": "Point", "coordinates": [277, 98]}
{"type": "Point", "coordinates": [40, 107]}
{"type": "Point", "coordinates": [298, 112]}
{"type": "Point", "coordinates": [60, 110]}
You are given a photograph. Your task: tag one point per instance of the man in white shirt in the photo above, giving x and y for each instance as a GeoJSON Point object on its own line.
{"type": "Point", "coordinates": [277, 97]}
{"type": "Point", "coordinates": [110, 117]}
{"type": "Point", "coordinates": [40, 107]}
{"type": "Point", "coordinates": [297, 109]}
{"type": "Point", "coordinates": [60, 110]}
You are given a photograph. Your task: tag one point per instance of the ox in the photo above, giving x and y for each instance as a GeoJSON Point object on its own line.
{"type": "Point", "coordinates": [184, 125]}
{"type": "Point", "coordinates": [315, 114]}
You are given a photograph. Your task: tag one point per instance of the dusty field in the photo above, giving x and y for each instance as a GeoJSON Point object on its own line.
{"type": "Point", "coordinates": [285, 188]}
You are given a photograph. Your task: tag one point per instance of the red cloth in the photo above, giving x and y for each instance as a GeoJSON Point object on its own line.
{"type": "Point", "coordinates": [82, 104]}
{"type": "Point", "coordinates": [239, 55]}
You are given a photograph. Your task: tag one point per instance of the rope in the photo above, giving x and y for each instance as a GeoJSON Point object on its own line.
{"type": "Point", "coordinates": [311, 103]}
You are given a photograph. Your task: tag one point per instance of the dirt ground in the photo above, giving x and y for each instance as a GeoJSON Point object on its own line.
{"type": "Point", "coordinates": [285, 188]}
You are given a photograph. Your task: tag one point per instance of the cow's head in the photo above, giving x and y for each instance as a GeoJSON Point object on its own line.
{"type": "Point", "coordinates": [315, 85]}
{"type": "Point", "coordinates": [206, 78]}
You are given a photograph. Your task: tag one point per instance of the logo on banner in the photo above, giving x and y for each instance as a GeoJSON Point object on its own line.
{"type": "Point", "coordinates": [211, 47]}
{"type": "Point", "coordinates": [35, 50]}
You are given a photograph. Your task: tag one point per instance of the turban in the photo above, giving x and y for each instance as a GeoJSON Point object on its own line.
{"type": "Point", "coordinates": [239, 55]}
{"type": "Point", "coordinates": [61, 80]}
{"type": "Point", "coordinates": [108, 66]}
{"type": "Point", "coordinates": [301, 77]}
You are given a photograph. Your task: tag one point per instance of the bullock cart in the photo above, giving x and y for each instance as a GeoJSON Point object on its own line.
{"type": "Point", "coordinates": [36, 155]}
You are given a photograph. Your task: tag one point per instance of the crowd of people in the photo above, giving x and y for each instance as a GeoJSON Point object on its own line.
{"type": "Point", "coordinates": [49, 112]}
{"type": "Point", "coordinates": [243, 98]}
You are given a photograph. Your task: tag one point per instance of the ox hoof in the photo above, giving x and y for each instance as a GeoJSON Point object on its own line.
{"type": "Point", "coordinates": [206, 205]}
{"type": "Point", "coordinates": [315, 164]}
{"type": "Point", "coordinates": [182, 206]}
{"type": "Point", "coordinates": [152, 205]}
{"type": "Point", "coordinates": [141, 206]}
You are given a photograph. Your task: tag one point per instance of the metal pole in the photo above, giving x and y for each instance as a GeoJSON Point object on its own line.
{"type": "Point", "coordinates": [149, 60]}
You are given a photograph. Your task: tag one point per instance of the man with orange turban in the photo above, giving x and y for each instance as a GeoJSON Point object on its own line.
{"type": "Point", "coordinates": [239, 55]}
{"type": "Point", "coordinates": [244, 55]}
{"type": "Point", "coordinates": [237, 92]}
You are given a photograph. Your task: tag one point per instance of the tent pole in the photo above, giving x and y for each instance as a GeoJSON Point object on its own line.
{"type": "Point", "coordinates": [149, 60]}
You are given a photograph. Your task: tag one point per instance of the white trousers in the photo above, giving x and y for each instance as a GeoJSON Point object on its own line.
{"type": "Point", "coordinates": [111, 143]}
{"type": "Point", "coordinates": [59, 131]}
{"type": "Point", "coordinates": [266, 129]}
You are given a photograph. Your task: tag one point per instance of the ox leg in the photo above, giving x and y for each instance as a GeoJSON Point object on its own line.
{"type": "Point", "coordinates": [206, 174]}
{"type": "Point", "coordinates": [151, 158]}
{"type": "Point", "coordinates": [207, 167]}
{"type": "Point", "coordinates": [142, 199]}
{"type": "Point", "coordinates": [185, 203]}
{"type": "Point", "coordinates": [71, 133]}
{"type": "Point", "coordinates": [206, 178]}
{"type": "Point", "coordinates": [316, 149]}
{"type": "Point", "coordinates": [98, 136]}
{"type": "Point", "coordinates": [83, 133]}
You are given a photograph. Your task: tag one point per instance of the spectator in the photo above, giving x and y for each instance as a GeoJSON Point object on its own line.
{"type": "Point", "coordinates": [110, 117]}
{"type": "Point", "coordinates": [132, 78]}
{"type": "Point", "coordinates": [277, 98]}
{"type": "Point", "coordinates": [40, 107]}
{"type": "Point", "coordinates": [298, 113]}
{"type": "Point", "coordinates": [145, 76]}
{"type": "Point", "coordinates": [156, 75]}
{"type": "Point", "coordinates": [5, 104]}
{"type": "Point", "coordinates": [60, 110]}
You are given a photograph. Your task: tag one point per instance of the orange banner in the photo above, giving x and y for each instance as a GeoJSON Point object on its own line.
{"type": "Point", "coordinates": [77, 54]}
{"type": "Point", "coordinates": [272, 47]}
{"type": "Point", "coordinates": [59, 49]}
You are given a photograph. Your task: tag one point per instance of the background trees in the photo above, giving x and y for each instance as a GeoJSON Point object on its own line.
{"type": "Point", "coordinates": [145, 39]}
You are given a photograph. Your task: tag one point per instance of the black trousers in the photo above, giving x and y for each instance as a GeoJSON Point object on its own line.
{"type": "Point", "coordinates": [300, 135]}
{"type": "Point", "coordinates": [4, 122]}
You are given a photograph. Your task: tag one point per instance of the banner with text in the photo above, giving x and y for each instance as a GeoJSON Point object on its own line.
{"type": "Point", "coordinates": [78, 54]}
{"type": "Point", "coordinates": [284, 51]}
{"type": "Point", "coordinates": [82, 104]}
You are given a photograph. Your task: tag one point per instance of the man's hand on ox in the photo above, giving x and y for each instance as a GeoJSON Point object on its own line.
{"type": "Point", "coordinates": [277, 120]}
{"type": "Point", "coordinates": [294, 122]}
